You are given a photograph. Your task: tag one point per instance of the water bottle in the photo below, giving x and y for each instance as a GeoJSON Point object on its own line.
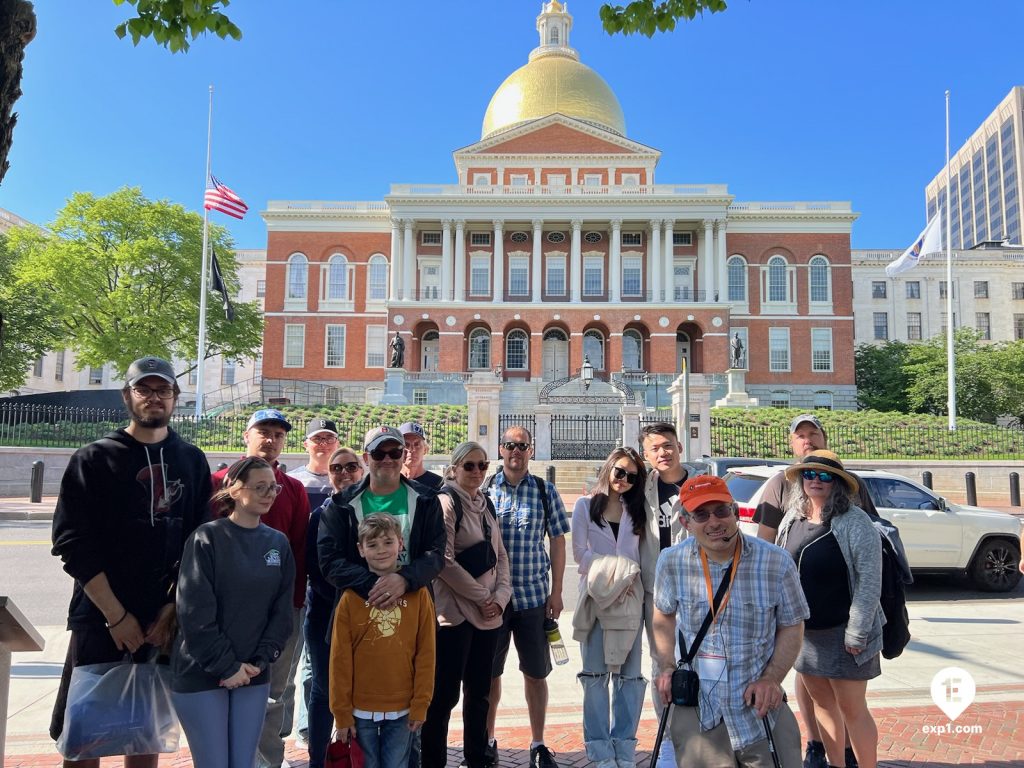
{"type": "Point", "coordinates": [558, 652]}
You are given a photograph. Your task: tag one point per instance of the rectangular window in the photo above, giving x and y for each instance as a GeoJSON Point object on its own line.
{"type": "Point", "coordinates": [632, 276]}
{"type": "Point", "coordinates": [261, 289]}
{"type": "Point", "coordinates": [878, 289]}
{"type": "Point", "coordinates": [779, 399]}
{"type": "Point", "coordinates": [58, 372]}
{"type": "Point", "coordinates": [227, 372]}
{"type": "Point", "coordinates": [519, 180]}
{"type": "Point", "coordinates": [519, 276]}
{"type": "Point", "coordinates": [480, 276]}
{"type": "Point", "coordinates": [913, 289]}
{"type": "Point", "coordinates": [430, 238]}
{"type": "Point", "coordinates": [1018, 327]}
{"type": "Point", "coordinates": [95, 375]}
{"type": "Point", "coordinates": [981, 289]}
{"type": "Point", "coordinates": [377, 286]}
{"type": "Point", "coordinates": [593, 276]}
{"type": "Point", "coordinates": [821, 349]}
{"type": "Point", "coordinates": [37, 368]}
{"type": "Point", "coordinates": [631, 179]}
{"type": "Point", "coordinates": [334, 355]}
{"type": "Point", "coordinates": [376, 345]}
{"type": "Point", "coordinates": [419, 397]}
{"type": "Point", "coordinates": [1018, 291]}
{"type": "Point", "coordinates": [983, 322]}
{"type": "Point", "coordinates": [880, 321]}
{"type": "Point", "coordinates": [682, 238]}
{"type": "Point", "coordinates": [913, 326]}
{"type": "Point", "coordinates": [294, 346]}
{"type": "Point", "coordinates": [481, 179]}
{"type": "Point", "coordinates": [778, 349]}
{"type": "Point", "coordinates": [592, 180]}
{"type": "Point", "coordinates": [942, 289]}
{"type": "Point", "coordinates": [556, 180]}
{"type": "Point", "coordinates": [632, 238]}
{"type": "Point", "coordinates": [479, 238]}
{"type": "Point", "coordinates": [554, 276]}
{"type": "Point", "coordinates": [942, 322]}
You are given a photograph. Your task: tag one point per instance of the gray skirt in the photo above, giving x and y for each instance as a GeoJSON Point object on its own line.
{"type": "Point", "coordinates": [824, 654]}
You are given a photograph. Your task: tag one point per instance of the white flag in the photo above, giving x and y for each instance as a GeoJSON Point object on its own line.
{"type": "Point", "coordinates": [927, 242]}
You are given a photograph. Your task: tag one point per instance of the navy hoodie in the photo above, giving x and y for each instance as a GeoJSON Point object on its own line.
{"type": "Point", "coordinates": [125, 509]}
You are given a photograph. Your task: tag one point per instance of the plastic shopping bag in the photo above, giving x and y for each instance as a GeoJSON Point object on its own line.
{"type": "Point", "coordinates": [119, 709]}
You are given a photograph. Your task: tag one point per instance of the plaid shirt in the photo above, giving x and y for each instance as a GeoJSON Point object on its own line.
{"type": "Point", "coordinates": [766, 594]}
{"type": "Point", "coordinates": [521, 517]}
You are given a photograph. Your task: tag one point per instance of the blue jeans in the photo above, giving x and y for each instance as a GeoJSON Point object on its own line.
{"type": "Point", "coordinates": [320, 721]}
{"type": "Point", "coordinates": [386, 743]}
{"type": "Point", "coordinates": [609, 726]}
{"type": "Point", "coordinates": [222, 726]}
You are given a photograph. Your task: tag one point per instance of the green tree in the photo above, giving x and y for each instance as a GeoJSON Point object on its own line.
{"type": "Point", "coordinates": [650, 16]}
{"type": "Point", "coordinates": [881, 379]}
{"type": "Point", "coordinates": [173, 23]}
{"type": "Point", "coordinates": [122, 275]}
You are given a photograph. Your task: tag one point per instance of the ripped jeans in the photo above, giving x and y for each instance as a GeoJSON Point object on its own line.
{"type": "Point", "coordinates": [609, 727]}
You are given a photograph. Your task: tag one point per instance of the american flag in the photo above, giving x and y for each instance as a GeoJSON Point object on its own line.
{"type": "Point", "coordinates": [220, 197]}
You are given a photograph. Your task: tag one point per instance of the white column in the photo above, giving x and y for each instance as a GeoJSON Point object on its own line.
{"type": "Point", "coordinates": [537, 265]}
{"type": "Point", "coordinates": [499, 261]}
{"type": "Point", "coordinates": [460, 260]}
{"type": "Point", "coordinates": [446, 260]}
{"type": "Point", "coordinates": [409, 261]}
{"type": "Point", "coordinates": [707, 281]}
{"type": "Point", "coordinates": [576, 261]}
{"type": "Point", "coordinates": [669, 261]}
{"type": "Point", "coordinates": [720, 258]}
{"type": "Point", "coordinates": [615, 262]}
{"type": "Point", "coordinates": [654, 261]}
{"type": "Point", "coordinates": [396, 260]}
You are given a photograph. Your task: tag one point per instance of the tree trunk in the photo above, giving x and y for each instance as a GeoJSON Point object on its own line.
{"type": "Point", "coordinates": [17, 28]}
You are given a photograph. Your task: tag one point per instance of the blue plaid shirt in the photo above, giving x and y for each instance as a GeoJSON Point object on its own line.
{"type": "Point", "coordinates": [521, 517]}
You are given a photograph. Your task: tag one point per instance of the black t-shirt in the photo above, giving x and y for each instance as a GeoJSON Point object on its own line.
{"type": "Point", "coordinates": [668, 495]}
{"type": "Point", "coordinates": [775, 499]}
{"type": "Point", "coordinates": [823, 573]}
{"type": "Point", "coordinates": [431, 480]}
{"type": "Point", "coordinates": [615, 529]}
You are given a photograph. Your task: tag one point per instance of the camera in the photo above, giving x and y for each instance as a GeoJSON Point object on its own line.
{"type": "Point", "coordinates": [685, 687]}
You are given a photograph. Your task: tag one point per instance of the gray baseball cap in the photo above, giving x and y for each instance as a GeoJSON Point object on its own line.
{"type": "Point", "coordinates": [150, 366]}
{"type": "Point", "coordinates": [810, 418]}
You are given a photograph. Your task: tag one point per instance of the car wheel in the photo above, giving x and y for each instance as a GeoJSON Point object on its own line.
{"type": "Point", "coordinates": [994, 567]}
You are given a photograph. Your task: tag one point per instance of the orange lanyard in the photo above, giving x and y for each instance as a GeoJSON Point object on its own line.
{"type": "Point", "coordinates": [707, 582]}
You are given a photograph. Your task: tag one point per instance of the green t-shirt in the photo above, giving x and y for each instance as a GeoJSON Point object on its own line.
{"type": "Point", "coordinates": [396, 504]}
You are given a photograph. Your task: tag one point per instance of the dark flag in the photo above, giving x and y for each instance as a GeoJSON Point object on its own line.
{"type": "Point", "coordinates": [221, 288]}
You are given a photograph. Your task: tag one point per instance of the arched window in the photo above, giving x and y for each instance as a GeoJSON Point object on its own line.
{"type": "Point", "coordinates": [516, 351]}
{"type": "Point", "coordinates": [632, 350]}
{"type": "Point", "coordinates": [480, 348]}
{"type": "Point", "coordinates": [337, 278]}
{"type": "Point", "coordinates": [737, 276]}
{"type": "Point", "coordinates": [821, 279]}
{"type": "Point", "coordinates": [298, 276]}
{"type": "Point", "coordinates": [593, 349]}
{"type": "Point", "coordinates": [377, 283]}
{"type": "Point", "coordinates": [779, 399]}
{"type": "Point", "coordinates": [553, 36]}
{"type": "Point", "coordinates": [777, 279]}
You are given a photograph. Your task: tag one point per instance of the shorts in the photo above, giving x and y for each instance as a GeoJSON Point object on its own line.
{"type": "Point", "coordinates": [88, 645]}
{"type": "Point", "coordinates": [527, 627]}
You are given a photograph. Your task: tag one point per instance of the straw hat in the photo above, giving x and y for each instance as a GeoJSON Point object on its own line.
{"type": "Point", "coordinates": [822, 460]}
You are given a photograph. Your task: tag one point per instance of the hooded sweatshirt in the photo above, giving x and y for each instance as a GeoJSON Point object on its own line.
{"type": "Point", "coordinates": [125, 509]}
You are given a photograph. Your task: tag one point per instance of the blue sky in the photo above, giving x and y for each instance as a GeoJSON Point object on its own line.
{"type": "Point", "coordinates": [336, 100]}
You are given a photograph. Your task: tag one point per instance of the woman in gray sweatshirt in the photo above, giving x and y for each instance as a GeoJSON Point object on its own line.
{"type": "Point", "coordinates": [234, 616]}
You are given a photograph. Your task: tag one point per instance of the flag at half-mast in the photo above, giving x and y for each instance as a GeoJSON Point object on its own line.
{"type": "Point", "coordinates": [220, 197]}
{"type": "Point", "coordinates": [927, 242]}
{"type": "Point", "coordinates": [221, 287]}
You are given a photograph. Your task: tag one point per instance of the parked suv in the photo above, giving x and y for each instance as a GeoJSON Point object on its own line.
{"type": "Point", "coordinates": [939, 536]}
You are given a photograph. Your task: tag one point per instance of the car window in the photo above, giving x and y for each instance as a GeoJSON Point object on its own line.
{"type": "Point", "coordinates": [896, 494]}
{"type": "Point", "coordinates": [742, 487]}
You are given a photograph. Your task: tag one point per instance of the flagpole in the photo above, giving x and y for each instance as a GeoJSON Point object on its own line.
{"type": "Point", "coordinates": [201, 350]}
{"type": "Point", "coordinates": [950, 353]}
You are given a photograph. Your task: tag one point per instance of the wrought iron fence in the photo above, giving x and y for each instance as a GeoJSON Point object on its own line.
{"type": "Point", "coordinates": [528, 420]}
{"type": "Point", "coordinates": [584, 437]}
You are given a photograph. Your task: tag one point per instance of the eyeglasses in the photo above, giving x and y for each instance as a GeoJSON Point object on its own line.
{"type": "Point", "coordinates": [722, 512]}
{"type": "Point", "coordinates": [825, 477]}
{"type": "Point", "coordinates": [524, 447]}
{"type": "Point", "coordinates": [324, 440]}
{"type": "Point", "coordinates": [351, 466]}
{"type": "Point", "coordinates": [472, 466]}
{"type": "Point", "coordinates": [164, 393]}
{"type": "Point", "coordinates": [618, 473]}
{"type": "Point", "coordinates": [264, 489]}
{"type": "Point", "coordinates": [378, 454]}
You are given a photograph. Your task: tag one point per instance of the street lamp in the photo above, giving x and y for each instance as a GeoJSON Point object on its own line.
{"type": "Point", "coordinates": [652, 378]}
{"type": "Point", "coordinates": [586, 373]}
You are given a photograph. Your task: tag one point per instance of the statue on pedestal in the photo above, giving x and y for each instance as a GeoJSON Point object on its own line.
{"type": "Point", "coordinates": [397, 351]}
{"type": "Point", "coordinates": [737, 351]}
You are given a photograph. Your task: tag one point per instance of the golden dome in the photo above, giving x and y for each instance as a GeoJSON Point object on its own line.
{"type": "Point", "coordinates": [553, 83]}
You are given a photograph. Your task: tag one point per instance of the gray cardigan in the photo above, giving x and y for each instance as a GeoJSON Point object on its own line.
{"type": "Point", "coordinates": [862, 550]}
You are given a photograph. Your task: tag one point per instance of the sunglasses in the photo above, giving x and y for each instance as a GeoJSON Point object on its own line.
{"type": "Point", "coordinates": [825, 477]}
{"type": "Point", "coordinates": [378, 454]}
{"type": "Point", "coordinates": [722, 512]}
{"type": "Point", "coordinates": [524, 447]}
{"type": "Point", "coordinates": [472, 466]}
{"type": "Point", "coordinates": [618, 473]}
{"type": "Point", "coordinates": [351, 466]}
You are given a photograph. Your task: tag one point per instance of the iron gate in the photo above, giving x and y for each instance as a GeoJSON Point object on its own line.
{"type": "Point", "coordinates": [506, 420]}
{"type": "Point", "coordinates": [584, 437]}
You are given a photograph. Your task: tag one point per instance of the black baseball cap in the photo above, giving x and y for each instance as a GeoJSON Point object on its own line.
{"type": "Point", "coordinates": [150, 366]}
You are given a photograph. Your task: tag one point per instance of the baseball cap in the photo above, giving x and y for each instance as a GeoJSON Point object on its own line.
{"type": "Point", "coordinates": [318, 425]}
{"type": "Point", "coordinates": [808, 417]}
{"type": "Point", "coordinates": [702, 489]}
{"type": "Point", "coordinates": [264, 415]}
{"type": "Point", "coordinates": [150, 366]}
{"type": "Point", "coordinates": [380, 435]}
{"type": "Point", "coordinates": [412, 428]}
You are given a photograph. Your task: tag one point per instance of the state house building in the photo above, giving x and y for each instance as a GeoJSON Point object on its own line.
{"type": "Point", "coordinates": [555, 244]}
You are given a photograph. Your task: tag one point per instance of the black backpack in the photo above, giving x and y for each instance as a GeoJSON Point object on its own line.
{"type": "Point", "coordinates": [541, 489]}
{"type": "Point", "coordinates": [893, 599]}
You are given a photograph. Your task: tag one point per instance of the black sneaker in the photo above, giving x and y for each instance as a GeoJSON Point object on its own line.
{"type": "Point", "coordinates": [814, 755]}
{"type": "Point", "coordinates": [542, 757]}
{"type": "Point", "coordinates": [851, 759]}
{"type": "Point", "coordinates": [491, 754]}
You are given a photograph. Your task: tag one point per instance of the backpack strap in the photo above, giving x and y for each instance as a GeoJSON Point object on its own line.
{"type": "Point", "coordinates": [543, 500]}
{"type": "Point", "coordinates": [457, 505]}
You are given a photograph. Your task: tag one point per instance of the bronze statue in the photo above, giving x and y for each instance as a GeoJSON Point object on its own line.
{"type": "Point", "coordinates": [397, 351]}
{"type": "Point", "coordinates": [737, 350]}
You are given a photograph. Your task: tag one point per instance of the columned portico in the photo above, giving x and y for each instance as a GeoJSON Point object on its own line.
{"type": "Point", "coordinates": [706, 266]}
{"type": "Point", "coordinates": [654, 259]}
{"type": "Point", "coordinates": [409, 260]}
{"type": "Point", "coordinates": [722, 280]}
{"type": "Point", "coordinates": [460, 260]}
{"type": "Point", "coordinates": [615, 262]}
{"type": "Point", "coordinates": [446, 259]}
{"type": "Point", "coordinates": [670, 267]}
{"type": "Point", "coordinates": [576, 261]}
{"type": "Point", "coordinates": [396, 261]}
{"type": "Point", "coordinates": [499, 261]}
{"type": "Point", "coordinates": [536, 266]}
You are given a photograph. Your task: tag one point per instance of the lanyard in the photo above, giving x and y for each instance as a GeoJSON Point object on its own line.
{"type": "Point", "coordinates": [707, 582]}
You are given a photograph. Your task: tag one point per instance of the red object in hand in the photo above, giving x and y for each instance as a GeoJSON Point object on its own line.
{"type": "Point", "coordinates": [342, 754]}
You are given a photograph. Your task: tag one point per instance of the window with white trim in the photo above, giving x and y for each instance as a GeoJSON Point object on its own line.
{"type": "Point", "coordinates": [481, 179]}
{"type": "Point", "coordinates": [376, 346]}
{"type": "Point", "coordinates": [592, 179]}
{"type": "Point", "coordinates": [337, 278]}
{"type": "Point", "coordinates": [334, 341]}
{"type": "Point", "coordinates": [419, 397]}
{"type": "Point", "coordinates": [480, 349]}
{"type": "Point", "coordinates": [261, 289]}
{"type": "Point", "coordinates": [632, 276]}
{"type": "Point", "coordinates": [554, 275]}
{"type": "Point", "coordinates": [778, 280]}
{"type": "Point", "coordinates": [632, 350]}
{"type": "Point", "coordinates": [778, 399]}
{"type": "Point", "coordinates": [480, 276]}
{"type": "Point", "coordinates": [778, 349]}
{"type": "Point", "coordinates": [736, 274]}
{"type": "Point", "coordinates": [298, 276]}
{"type": "Point", "coordinates": [631, 238]}
{"type": "Point", "coordinates": [820, 278]}
{"type": "Point", "coordinates": [294, 345]}
{"type": "Point", "coordinates": [593, 348]}
{"type": "Point", "coordinates": [593, 275]}
{"type": "Point", "coordinates": [479, 238]}
{"type": "Point", "coordinates": [517, 345]}
{"type": "Point", "coordinates": [430, 238]}
{"type": "Point", "coordinates": [519, 276]}
{"type": "Point", "coordinates": [682, 238]}
{"type": "Point", "coordinates": [519, 179]}
{"type": "Point", "coordinates": [332, 396]}
{"type": "Point", "coordinates": [821, 349]}
{"type": "Point", "coordinates": [631, 179]}
{"type": "Point", "coordinates": [377, 281]}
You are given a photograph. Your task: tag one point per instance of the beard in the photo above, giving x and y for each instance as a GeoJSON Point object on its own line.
{"type": "Point", "coordinates": [152, 420]}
